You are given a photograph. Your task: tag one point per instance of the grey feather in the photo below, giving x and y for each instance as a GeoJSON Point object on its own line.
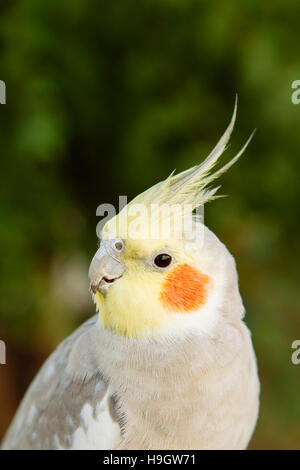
{"type": "Point", "coordinates": [50, 411]}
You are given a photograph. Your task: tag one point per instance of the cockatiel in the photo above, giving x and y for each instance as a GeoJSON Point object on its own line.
{"type": "Point", "coordinates": [167, 363]}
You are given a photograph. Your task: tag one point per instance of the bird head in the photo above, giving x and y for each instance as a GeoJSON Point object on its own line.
{"type": "Point", "coordinates": [159, 271]}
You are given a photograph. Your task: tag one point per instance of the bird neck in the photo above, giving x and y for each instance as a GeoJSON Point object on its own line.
{"type": "Point", "coordinates": [169, 393]}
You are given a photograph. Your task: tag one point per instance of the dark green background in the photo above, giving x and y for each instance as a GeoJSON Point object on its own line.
{"type": "Point", "coordinates": [106, 98]}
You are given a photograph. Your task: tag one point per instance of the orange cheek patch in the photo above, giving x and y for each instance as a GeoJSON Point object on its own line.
{"type": "Point", "coordinates": [185, 289]}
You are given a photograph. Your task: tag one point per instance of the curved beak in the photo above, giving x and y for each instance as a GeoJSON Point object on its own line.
{"type": "Point", "coordinates": [106, 267]}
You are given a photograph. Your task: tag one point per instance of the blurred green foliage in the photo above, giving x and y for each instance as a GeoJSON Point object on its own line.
{"type": "Point", "coordinates": [107, 98]}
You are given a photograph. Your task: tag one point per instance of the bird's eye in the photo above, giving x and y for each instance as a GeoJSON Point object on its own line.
{"type": "Point", "coordinates": [163, 260]}
{"type": "Point", "coordinates": [119, 245]}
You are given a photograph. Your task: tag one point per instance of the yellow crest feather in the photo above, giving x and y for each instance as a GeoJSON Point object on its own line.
{"type": "Point", "coordinates": [187, 189]}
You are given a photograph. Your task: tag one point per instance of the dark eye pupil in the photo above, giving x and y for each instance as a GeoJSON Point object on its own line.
{"type": "Point", "coordinates": [163, 260]}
